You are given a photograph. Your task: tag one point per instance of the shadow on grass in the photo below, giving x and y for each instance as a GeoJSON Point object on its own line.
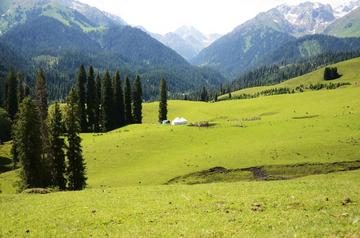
{"type": "Point", "coordinates": [5, 164]}
{"type": "Point", "coordinates": [265, 173]}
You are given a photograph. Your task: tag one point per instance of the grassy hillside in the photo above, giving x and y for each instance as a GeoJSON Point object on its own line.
{"type": "Point", "coordinates": [350, 70]}
{"type": "Point", "coordinates": [317, 126]}
{"type": "Point", "coordinates": [310, 127]}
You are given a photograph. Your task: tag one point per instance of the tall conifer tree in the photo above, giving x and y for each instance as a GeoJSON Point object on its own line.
{"type": "Point", "coordinates": [97, 120]}
{"type": "Point", "coordinates": [41, 95]}
{"type": "Point", "coordinates": [11, 98]}
{"type": "Point", "coordinates": [29, 145]}
{"type": "Point", "coordinates": [81, 82]}
{"type": "Point", "coordinates": [127, 101]}
{"type": "Point", "coordinates": [91, 98]}
{"type": "Point", "coordinates": [137, 101]}
{"type": "Point", "coordinates": [119, 113]}
{"type": "Point", "coordinates": [163, 101]}
{"type": "Point", "coordinates": [21, 87]}
{"type": "Point", "coordinates": [56, 149]}
{"type": "Point", "coordinates": [76, 164]}
{"type": "Point", "coordinates": [107, 103]}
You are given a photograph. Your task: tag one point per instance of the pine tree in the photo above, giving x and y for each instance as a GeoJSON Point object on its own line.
{"type": "Point", "coordinates": [76, 165]}
{"type": "Point", "coordinates": [21, 87]}
{"type": "Point", "coordinates": [119, 114]}
{"type": "Point", "coordinates": [204, 95]}
{"type": "Point", "coordinates": [107, 103]}
{"type": "Point", "coordinates": [41, 95]}
{"type": "Point", "coordinates": [91, 100]}
{"type": "Point", "coordinates": [97, 119]}
{"type": "Point", "coordinates": [127, 102]}
{"type": "Point", "coordinates": [11, 98]}
{"type": "Point", "coordinates": [81, 81]}
{"type": "Point", "coordinates": [29, 145]}
{"type": "Point", "coordinates": [163, 101]}
{"type": "Point", "coordinates": [56, 149]}
{"type": "Point", "coordinates": [137, 101]}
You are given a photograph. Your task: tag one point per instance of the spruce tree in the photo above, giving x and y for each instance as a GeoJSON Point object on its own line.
{"type": "Point", "coordinates": [204, 95]}
{"type": "Point", "coordinates": [118, 111]}
{"type": "Point", "coordinates": [11, 98]}
{"type": "Point", "coordinates": [137, 101]}
{"type": "Point", "coordinates": [29, 145]}
{"type": "Point", "coordinates": [163, 101]}
{"type": "Point", "coordinates": [81, 82]}
{"type": "Point", "coordinates": [56, 149]}
{"type": "Point", "coordinates": [107, 103]}
{"type": "Point", "coordinates": [127, 101]}
{"type": "Point", "coordinates": [21, 87]}
{"type": "Point", "coordinates": [76, 166]}
{"type": "Point", "coordinates": [97, 119]}
{"type": "Point", "coordinates": [41, 95]}
{"type": "Point", "coordinates": [91, 99]}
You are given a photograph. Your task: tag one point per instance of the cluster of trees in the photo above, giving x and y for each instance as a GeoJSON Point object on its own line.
{"type": "Point", "coordinates": [331, 73]}
{"type": "Point", "coordinates": [14, 90]}
{"type": "Point", "coordinates": [104, 105]}
{"type": "Point", "coordinates": [286, 90]}
{"type": "Point", "coordinates": [47, 147]}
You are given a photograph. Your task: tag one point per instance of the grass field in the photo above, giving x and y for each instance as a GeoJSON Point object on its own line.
{"type": "Point", "coordinates": [349, 69]}
{"type": "Point", "coordinates": [127, 169]}
{"type": "Point", "coordinates": [308, 207]}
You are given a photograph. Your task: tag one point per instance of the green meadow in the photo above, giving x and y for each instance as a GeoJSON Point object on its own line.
{"type": "Point", "coordinates": [128, 170]}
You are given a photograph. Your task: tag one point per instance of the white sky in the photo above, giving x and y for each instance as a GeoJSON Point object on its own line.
{"type": "Point", "coordinates": [208, 16]}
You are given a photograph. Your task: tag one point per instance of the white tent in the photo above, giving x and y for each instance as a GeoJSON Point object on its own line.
{"type": "Point", "coordinates": [179, 121]}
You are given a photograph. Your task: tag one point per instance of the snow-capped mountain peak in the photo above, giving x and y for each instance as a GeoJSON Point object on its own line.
{"type": "Point", "coordinates": [344, 9]}
{"type": "Point", "coordinates": [307, 17]}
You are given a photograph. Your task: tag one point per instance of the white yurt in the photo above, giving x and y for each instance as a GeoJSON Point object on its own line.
{"type": "Point", "coordinates": [179, 121]}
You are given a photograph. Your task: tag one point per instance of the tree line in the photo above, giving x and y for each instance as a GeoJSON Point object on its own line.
{"type": "Point", "coordinates": [45, 146]}
{"type": "Point", "coordinates": [46, 143]}
{"type": "Point", "coordinates": [103, 103]}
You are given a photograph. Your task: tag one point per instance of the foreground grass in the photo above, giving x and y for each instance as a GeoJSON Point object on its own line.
{"type": "Point", "coordinates": [307, 207]}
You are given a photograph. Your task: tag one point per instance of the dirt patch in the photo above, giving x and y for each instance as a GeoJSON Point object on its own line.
{"type": "Point", "coordinates": [264, 173]}
{"type": "Point", "coordinates": [268, 114]}
{"type": "Point", "coordinates": [205, 124]}
{"type": "Point", "coordinates": [305, 117]}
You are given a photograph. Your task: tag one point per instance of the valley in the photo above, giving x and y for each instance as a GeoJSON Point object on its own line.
{"type": "Point", "coordinates": [110, 130]}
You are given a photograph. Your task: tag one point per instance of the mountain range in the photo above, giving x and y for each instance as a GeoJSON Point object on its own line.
{"type": "Point", "coordinates": [245, 47]}
{"type": "Point", "coordinates": [59, 35]}
{"type": "Point", "coordinates": [186, 40]}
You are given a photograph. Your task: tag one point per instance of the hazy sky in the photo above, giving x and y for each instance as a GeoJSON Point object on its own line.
{"type": "Point", "coordinates": [209, 16]}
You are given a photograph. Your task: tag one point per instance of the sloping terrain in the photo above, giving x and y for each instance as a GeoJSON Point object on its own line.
{"type": "Point", "coordinates": [350, 71]}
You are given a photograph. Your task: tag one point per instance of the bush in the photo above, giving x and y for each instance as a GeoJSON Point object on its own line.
{"type": "Point", "coordinates": [331, 73]}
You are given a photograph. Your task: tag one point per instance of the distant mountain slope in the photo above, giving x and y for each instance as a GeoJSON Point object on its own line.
{"type": "Point", "coordinates": [69, 12]}
{"type": "Point", "coordinates": [271, 37]}
{"type": "Point", "coordinates": [347, 26]}
{"type": "Point", "coordinates": [186, 40]}
{"type": "Point", "coordinates": [303, 19]}
{"type": "Point", "coordinates": [239, 50]}
{"type": "Point", "coordinates": [310, 46]}
{"type": "Point", "coordinates": [59, 35]}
